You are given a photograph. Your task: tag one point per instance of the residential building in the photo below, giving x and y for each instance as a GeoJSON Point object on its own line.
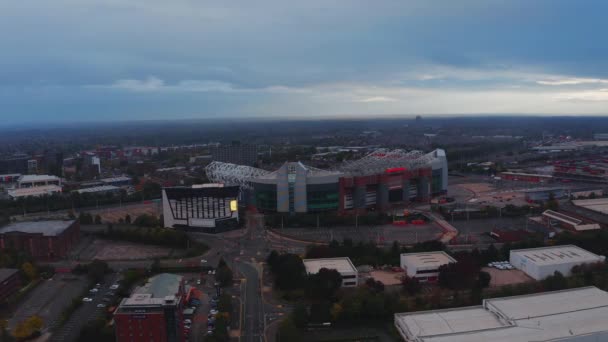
{"type": "Point", "coordinates": [42, 240]}
{"type": "Point", "coordinates": [574, 315]}
{"type": "Point", "coordinates": [348, 271]}
{"type": "Point", "coordinates": [425, 266]}
{"type": "Point", "coordinates": [542, 262]}
{"type": "Point", "coordinates": [154, 312]}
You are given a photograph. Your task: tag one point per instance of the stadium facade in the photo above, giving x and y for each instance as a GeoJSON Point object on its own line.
{"type": "Point", "coordinates": [380, 181]}
{"type": "Point", "coordinates": [209, 207]}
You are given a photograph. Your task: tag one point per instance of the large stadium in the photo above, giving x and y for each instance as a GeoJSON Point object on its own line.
{"type": "Point", "coordinates": [380, 181]}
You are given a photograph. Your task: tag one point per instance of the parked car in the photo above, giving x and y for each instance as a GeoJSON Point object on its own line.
{"type": "Point", "coordinates": [213, 312]}
{"type": "Point", "coordinates": [114, 287]}
{"type": "Point", "coordinates": [94, 290]}
{"type": "Point", "coordinates": [101, 305]}
{"type": "Point", "coordinates": [86, 299]}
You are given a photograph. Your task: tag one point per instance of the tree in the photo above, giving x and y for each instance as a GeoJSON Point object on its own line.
{"type": "Point", "coordinates": [128, 219]}
{"type": "Point", "coordinates": [97, 219]}
{"type": "Point", "coordinates": [288, 332]}
{"type": "Point", "coordinates": [29, 270]}
{"type": "Point", "coordinates": [30, 327]}
{"type": "Point", "coordinates": [411, 285]}
{"type": "Point", "coordinates": [483, 280]}
{"type": "Point", "coordinates": [223, 274]}
{"type": "Point", "coordinates": [324, 284]}
{"type": "Point", "coordinates": [459, 275]}
{"type": "Point", "coordinates": [300, 316]}
{"type": "Point", "coordinates": [289, 271]}
{"type": "Point", "coordinates": [557, 281]}
{"type": "Point", "coordinates": [374, 285]}
{"type": "Point", "coordinates": [97, 269]}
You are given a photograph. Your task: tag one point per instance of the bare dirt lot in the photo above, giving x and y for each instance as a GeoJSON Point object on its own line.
{"type": "Point", "coordinates": [506, 277]}
{"type": "Point", "coordinates": [113, 215]}
{"type": "Point", "coordinates": [487, 194]}
{"type": "Point", "coordinates": [119, 250]}
{"type": "Point", "coordinates": [387, 277]}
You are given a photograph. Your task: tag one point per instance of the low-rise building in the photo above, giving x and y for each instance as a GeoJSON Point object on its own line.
{"type": "Point", "coordinates": [574, 315]}
{"type": "Point", "coordinates": [425, 266]}
{"type": "Point", "coordinates": [10, 282]}
{"type": "Point", "coordinates": [31, 181]}
{"type": "Point", "coordinates": [542, 262]}
{"type": "Point", "coordinates": [154, 312]}
{"type": "Point", "coordinates": [553, 219]}
{"type": "Point", "coordinates": [37, 191]}
{"type": "Point", "coordinates": [42, 240]}
{"type": "Point", "coordinates": [102, 189]}
{"type": "Point", "coordinates": [348, 271]}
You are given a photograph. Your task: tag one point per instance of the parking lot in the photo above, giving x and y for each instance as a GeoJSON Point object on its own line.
{"type": "Point", "coordinates": [49, 299]}
{"type": "Point", "coordinates": [88, 311]}
{"type": "Point", "coordinates": [506, 277]}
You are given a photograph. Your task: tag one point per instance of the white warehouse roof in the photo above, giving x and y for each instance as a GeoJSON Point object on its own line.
{"type": "Point", "coordinates": [539, 317]}
{"type": "Point", "coordinates": [556, 255]}
{"type": "Point", "coordinates": [427, 259]}
{"type": "Point", "coordinates": [342, 265]}
{"type": "Point", "coordinates": [37, 178]}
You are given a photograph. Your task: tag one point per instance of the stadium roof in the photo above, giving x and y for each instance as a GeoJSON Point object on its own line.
{"type": "Point", "coordinates": [46, 228]}
{"type": "Point", "coordinates": [342, 265]}
{"type": "Point", "coordinates": [555, 255]}
{"type": "Point", "coordinates": [537, 317]}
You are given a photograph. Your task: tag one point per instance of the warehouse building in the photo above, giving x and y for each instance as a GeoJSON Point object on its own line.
{"type": "Point", "coordinates": [553, 219]}
{"type": "Point", "coordinates": [42, 240]}
{"type": "Point", "coordinates": [209, 208]}
{"type": "Point", "coordinates": [425, 266]}
{"type": "Point", "coordinates": [542, 262]}
{"type": "Point", "coordinates": [574, 315]}
{"type": "Point", "coordinates": [348, 271]}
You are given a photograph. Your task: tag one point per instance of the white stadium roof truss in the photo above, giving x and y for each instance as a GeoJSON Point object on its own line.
{"type": "Point", "coordinates": [232, 174]}
{"type": "Point", "coordinates": [373, 163]}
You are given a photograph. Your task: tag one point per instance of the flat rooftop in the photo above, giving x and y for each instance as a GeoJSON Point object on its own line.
{"type": "Point", "coordinates": [538, 317]}
{"type": "Point", "coordinates": [159, 289]}
{"type": "Point", "coordinates": [116, 179]}
{"type": "Point", "coordinates": [599, 205]}
{"type": "Point", "coordinates": [427, 259]}
{"type": "Point", "coordinates": [37, 178]}
{"type": "Point", "coordinates": [342, 265]}
{"type": "Point", "coordinates": [6, 273]}
{"type": "Point", "coordinates": [46, 228]}
{"type": "Point", "coordinates": [557, 255]}
{"type": "Point", "coordinates": [101, 188]}
{"type": "Point", "coordinates": [35, 191]}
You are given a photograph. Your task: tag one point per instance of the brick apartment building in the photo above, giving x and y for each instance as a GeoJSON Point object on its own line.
{"type": "Point", "coordinates": [10, 282]}
{"type": "Point", "coordinates": [154, 312]}
{"type": "Point", "coordinates": [43, 240]}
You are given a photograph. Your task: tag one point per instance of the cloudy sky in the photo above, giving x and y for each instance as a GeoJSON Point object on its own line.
{"type": "Point", "coordinates": [78, 60]}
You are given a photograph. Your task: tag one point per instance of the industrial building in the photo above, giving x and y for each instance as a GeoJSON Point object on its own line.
{"type": "Point", "coordinates": [424, 266]}
{"type": "Point", "coordinates": [542, 262]}
{"type": "Point", "coordinates": [380, 181]}
{"type": "Point", "coordinates": [42, 240]}
{"type": "Point", "coordinates": [209, 207]}
{"type": "Point", "coordinates": [525, 177]}
{"type": "Point", "coordinates": [598, 205]}
{"type": "Point", "coordinates": [574, 315]}
{"type": "Point", "coordinates": [32, 181]}
{"type": "Point", "coordinates": [544, 194]}
{"type": "Point", "coordinates": [38, 191]}
{"type": "Point", "coordinates": [555, 219]}
{"type": "Point", "coordinates": [348, 271]}
{"type": "Point", "coordinates": [102, 189]}
{"type": "Point", "coordinates": [153, 312]}
{"type": "Point", "coordinates": [10, 282]}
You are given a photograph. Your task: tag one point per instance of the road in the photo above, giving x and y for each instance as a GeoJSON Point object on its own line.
{"type": "Point", "coordinates": [253, 316]}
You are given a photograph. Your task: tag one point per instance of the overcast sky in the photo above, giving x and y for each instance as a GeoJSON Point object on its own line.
{"type": "Point", "coordinates": [78, 60]}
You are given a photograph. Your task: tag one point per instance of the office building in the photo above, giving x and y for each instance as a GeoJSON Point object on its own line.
{"type": "Point", "coordinates": [542, 262]}
{"type": "Point", "coordinates": [424, 266]}
{"type": "Point", "coordinates": [42, 240]}
{"type": "Point", "coordinates": [348, 271]}
{"type": "Point", "coordinates": [208, 207]}
{"type": "Point", "coordinates": [154, 312]}
{"type": "Point", "coordinates": [574, 315]}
